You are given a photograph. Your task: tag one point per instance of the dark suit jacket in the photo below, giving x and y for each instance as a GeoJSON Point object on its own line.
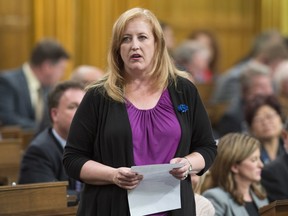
{"type": "Point", "coordinates": [225, 205]}
{"type": "Point", "coordinates": [275, 178]}
{"type": "Point", "coordinates": [42, 161]}
{"type": "Point", "coordinates": [233, 119]}
{"type": "Point", "coordinates": [15, 102]}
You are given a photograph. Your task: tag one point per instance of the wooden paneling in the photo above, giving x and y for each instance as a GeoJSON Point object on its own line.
{"type": "Point", "coordinates": [84, 27]}
{"type": "Point", "coordinates": [234, 23]}
{"type": "Point", "coordinates": [274, 15]}
{"type": "Point", "coordinates": [55, 19]}
{"type": "Point", "coordinates": [15, 32]}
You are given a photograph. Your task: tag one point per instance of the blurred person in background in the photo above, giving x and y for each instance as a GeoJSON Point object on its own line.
{"type": "Point", "coordinates": [42, 161]}
{"type": "Point", "coordinates": [268, 48]}
{"type": "Point", "coordinates": [235, 187]}
{"type": "Point", "coordinates": [193, 57]}
{"type": "Point", "coordinates": [264, 119]}
{"type": "Point", "coordinates": [86, 74]}
{"type": "Point", "coordinates": [169, 37]}
{"type": "Point", "coordinates": [275, 174]}
{"type": "Point", "coordinates": [209, 40]}
{"type": "Point", "coordinates": [254, 81]}
{"type": "Point", "coordinates": [24, 90]}
{"type": "Point", "coordinates": [280, 79]}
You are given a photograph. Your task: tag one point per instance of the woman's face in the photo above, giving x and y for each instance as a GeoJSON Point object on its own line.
{"type": "Point", "coordinates": [266, 123]}
{"type": "Point", "coordinates": [137, 47]}
{"type": "Point", "coordinates": [249, 170]}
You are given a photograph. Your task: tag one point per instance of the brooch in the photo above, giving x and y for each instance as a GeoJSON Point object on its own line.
{"type": "Point", "coordinates": [182, 108]}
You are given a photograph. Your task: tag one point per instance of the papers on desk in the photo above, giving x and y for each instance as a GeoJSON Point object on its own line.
{"type": "Point", "coordinates": [158, 191]}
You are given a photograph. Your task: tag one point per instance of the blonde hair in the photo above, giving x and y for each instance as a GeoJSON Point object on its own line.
{"type": "Point", "coordinates": [233, 148]}
{"type": "Point", "coordinates": [163, 69]}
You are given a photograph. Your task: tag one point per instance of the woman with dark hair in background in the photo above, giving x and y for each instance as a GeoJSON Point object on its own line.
{"type": "Point", "coordinates": [264, 120]}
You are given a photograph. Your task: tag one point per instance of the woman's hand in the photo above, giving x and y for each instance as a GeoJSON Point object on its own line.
{"type": "Point", "coordinates": [126, 179]}
{"type": "Point", "coordinates": [182, 172]}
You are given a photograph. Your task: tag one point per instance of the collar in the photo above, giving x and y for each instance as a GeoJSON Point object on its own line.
{"type": "Point", "coordinates": [59, 138]}
{"type": "Point", "coordinates": [30, 76]}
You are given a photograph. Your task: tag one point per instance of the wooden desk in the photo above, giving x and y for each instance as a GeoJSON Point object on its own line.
{"type": "Point", "coordinates": [68, 211]}
{"type": "Point", "coordinates": [16, 132]}
{"type": "Point", "coordinates": [276, 208]}
{"type": "Point", "coordinates": [11, 132]}
{"type": "Point", "coordinates": [35, 199]}
{"type": "Point", "coordinates": [10, 157]}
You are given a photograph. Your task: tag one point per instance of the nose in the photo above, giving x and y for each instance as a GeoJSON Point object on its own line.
{"type": "Point", "coordinates": [260, 164]}
{"type": "Point", "coordinates": [135, 44]}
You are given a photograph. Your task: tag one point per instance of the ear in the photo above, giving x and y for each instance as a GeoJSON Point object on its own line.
{"type": "Point", "coordinates": [234, 168]}
{"type": "Point", "coordinates": [53, 113]}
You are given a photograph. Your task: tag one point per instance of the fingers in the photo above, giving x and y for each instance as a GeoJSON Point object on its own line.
{"type": "Point", "coordinates": [126, 179]}
{"type": "Point", "coordinates": [180, 175]}
{"type": "Point", "coordinates": [182, 172]}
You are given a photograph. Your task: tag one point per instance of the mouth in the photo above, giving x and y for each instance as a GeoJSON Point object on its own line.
{"type": "Point", "coordinates": [135, 56]}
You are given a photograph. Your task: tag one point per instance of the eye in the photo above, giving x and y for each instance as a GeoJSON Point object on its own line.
{"type": "Point", "coordinates": [73, 106]}
{"type": "Point", "coordinates": [126, 39]}
{"type": "Point", "coordinates": [142, 37]}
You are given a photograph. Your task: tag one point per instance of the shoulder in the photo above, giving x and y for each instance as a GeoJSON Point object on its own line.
{"type": "Point", "coordinates": [12, 73]}
{"type": "Point", "coordinates": [203, 205]}
{"type": "Point", "coordinates": [217, 192]}
{"type": "Point", "coordinates": [42, 141]}
{"type": "Point", "coordinates": [97, 91]}
{"type": "Point", "coordinates": [277, 165]}
{"type": "Point", "coordinates": [221, 200]}
{"type": "Point", "coordinates": [182, 86]}
{"type": "Point", "coordinates": [182, 82]}
{"type": "Point", "coordinates": [12, 78]}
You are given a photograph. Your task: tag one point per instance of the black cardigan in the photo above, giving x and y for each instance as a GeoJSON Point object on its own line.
{"type": "Point", "coordinates": [101, 131]}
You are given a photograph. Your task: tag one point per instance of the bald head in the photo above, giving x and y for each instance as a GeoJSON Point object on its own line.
{"type": "Point", "coordinates": [86, 74]}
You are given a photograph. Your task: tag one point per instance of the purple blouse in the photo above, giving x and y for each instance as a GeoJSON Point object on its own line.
{"type": "Point", "coordinates": [156, 132]}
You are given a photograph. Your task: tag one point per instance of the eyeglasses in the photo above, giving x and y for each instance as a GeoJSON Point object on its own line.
{"type": "Point", "coordinates": [267, 116]}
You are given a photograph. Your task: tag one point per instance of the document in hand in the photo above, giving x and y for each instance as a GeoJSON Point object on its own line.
{"type": "Point", "coordinates": [158, 191]}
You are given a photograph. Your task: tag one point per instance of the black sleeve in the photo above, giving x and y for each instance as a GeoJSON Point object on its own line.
{"type": "Point", "coordinates": [79, 146]}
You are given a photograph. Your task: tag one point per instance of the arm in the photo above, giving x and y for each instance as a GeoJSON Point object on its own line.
{"type": "Point", "coordinates": [194, 163]}
{"type": "Point", "coordinates": [203, 145]}
{"type": "Point", "coordinates": [197, 146]}
{"type": "Point", "coordinates": [92, 153]}
{"type": "Point", "coordinates": [96, 173]}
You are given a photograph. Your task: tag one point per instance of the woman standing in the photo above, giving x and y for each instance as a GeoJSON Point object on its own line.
{"type": "Point", "coordinates": [143, 111]}
{"type": "Point", "coordinates": [235, 176]}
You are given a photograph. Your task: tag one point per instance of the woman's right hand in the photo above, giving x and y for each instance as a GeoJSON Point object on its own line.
{"type": "Point", "coordinates": [126, 179]}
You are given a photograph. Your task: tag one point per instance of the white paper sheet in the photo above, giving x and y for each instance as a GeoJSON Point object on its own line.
{"type": "Point", "coordinates": [158, 191]}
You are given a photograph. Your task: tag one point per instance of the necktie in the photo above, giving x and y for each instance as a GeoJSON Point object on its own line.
{"type": "Point", "coordinates": [39, 105]}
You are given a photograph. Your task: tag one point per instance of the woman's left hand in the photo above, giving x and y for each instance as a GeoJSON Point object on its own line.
{"type": "Point", "coordinates": [182, 172]}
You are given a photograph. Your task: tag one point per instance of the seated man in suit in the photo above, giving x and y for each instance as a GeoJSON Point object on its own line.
{"type": "Point", "coordinates": [42, 161]}
{"type": "Point", "coordinates": [275, 174]}
{"type": "Point", "coordinates": [24, 90]}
